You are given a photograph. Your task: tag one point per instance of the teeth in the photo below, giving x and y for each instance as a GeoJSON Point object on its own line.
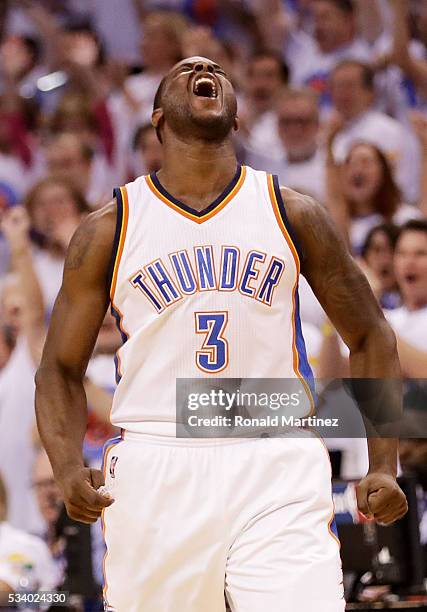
{"type": "Point", "coordinates": [205, 80]}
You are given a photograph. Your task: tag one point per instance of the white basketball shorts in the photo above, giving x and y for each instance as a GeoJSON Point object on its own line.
{"type": "Point", "coordinates": [196, 519]}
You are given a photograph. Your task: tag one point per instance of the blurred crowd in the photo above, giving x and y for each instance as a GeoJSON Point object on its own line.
{"type": "Point", "coordinates": [332, 98]}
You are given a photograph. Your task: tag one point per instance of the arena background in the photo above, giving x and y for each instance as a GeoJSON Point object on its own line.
{"type": "Point", "coordinates": [332, 98]}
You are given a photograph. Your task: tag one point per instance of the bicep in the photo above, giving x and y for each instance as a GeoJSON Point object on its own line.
{"type": "Point", "coordinates": [74, 328]}
{"type": "Point", "coordinates": [83, 299]}
{"type": "Point", "coordinates": [337, 281]}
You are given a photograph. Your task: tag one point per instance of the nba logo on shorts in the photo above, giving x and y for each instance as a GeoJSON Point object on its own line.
{"type": "Point", "coordinates": [113, 466]}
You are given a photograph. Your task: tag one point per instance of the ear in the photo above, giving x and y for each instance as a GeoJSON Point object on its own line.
{"type": "Point", "coordinates": [157, 117]}
{"type": "Point", "coordinates": [236, 126]}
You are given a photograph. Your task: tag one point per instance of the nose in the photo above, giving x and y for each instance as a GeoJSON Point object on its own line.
{"type": "Point", "coordinates": [204, 67]}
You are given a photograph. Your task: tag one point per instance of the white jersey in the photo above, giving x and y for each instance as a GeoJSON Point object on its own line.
{"type": "Point", "coordinates": [203, 294]}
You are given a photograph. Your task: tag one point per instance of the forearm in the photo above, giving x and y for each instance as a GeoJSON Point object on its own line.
{"type": "Point", "coordinates": [61, 412]}
{"type": "Point", "coordinates": [383, 454]}
{"type": "Point", "coordinates": [50, 30]}
{"type": "Point", "coordinates": [376, 385]}
{"type": "Point", "coordinates": [415, 69]}
{"type": "Point", "coordinates": [400, 33]}
{"type": "Point", "coordinates": [369, 19]}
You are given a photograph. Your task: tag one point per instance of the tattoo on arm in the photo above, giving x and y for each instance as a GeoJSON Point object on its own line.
{"type": "Point", "coordinates": [79, 246]}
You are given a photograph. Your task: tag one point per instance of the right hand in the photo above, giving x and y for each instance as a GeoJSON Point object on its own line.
{"type": "Point", "coordinates": [82, 501]}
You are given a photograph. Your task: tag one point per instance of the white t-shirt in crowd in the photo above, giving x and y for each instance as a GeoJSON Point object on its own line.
{"type": "Point", "coordinates": [25, 561]}
{"type": "Point", "coordinates": [103, 179]}
{"type": "Point", "coordinates": [263, 138]}
{"type": "Point", "coordinates": [410, 324]}
{"type": "Point", "coordinates": [49, 274]}
{"type": "Point", "coordinates": [309, 66]}
{"type": "Point", "coordinates": [17, 421]}
{"type": "Point", "coordinates": [142, 88]}
{"type": "Point", "coordinates": [390, 137]}
{"type": "Point", "coordinates": [307, 177]}
{"type": "Point", "coordinates": [14, 178]}
{"type": "Point", "coordinates": [310, 309]}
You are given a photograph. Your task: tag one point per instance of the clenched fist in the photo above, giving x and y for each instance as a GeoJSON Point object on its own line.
{"type": "Point", "coordinates": [379, 497]}
{"type": "Point", "coordinates": [81, 498]}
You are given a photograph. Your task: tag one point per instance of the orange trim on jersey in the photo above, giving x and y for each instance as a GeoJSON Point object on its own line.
{"type": "Point", "coordinates": [208, 215]}
{"type": "Point", "coordinates": [107, 451]}
{"type": "Point", "coordinates": [123, 230]}
{"type": "Point", "coordinates": [291, 245]}
{"type": "Point", "coordinates": [331, 520]}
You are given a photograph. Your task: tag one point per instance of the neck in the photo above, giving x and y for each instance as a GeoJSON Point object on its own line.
{"type": "Point", "coordinates": [362, 208]}
{"type": "Point", "coordinates": [334, 45]}
{"type": "Point", "coordinates": [197, 173]}
{"type": "Point", "coordinates": [300, 156]}
{"type": "Point", "coordinates": [349, 117]}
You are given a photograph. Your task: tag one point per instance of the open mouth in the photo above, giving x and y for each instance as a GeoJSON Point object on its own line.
{"type": "Point", "coordinates": [205, 87]}
{"type": "Point", "coordinates": [384, 272]}
{"type": "Point", "coordinates": [411, 278]}
{"type": "Point", "coordinates": [358, 180]}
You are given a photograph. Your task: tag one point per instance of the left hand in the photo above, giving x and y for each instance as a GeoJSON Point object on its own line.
{"type": "Point", "coordinates": [379, 497]}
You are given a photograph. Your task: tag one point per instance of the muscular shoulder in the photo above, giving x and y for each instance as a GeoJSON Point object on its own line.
{"type": "Point", "coordinates": [311, 223]}
{"type": "Point", "coordinates": [93, 237]}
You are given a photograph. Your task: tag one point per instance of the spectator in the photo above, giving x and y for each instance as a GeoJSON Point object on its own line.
{"type": "Point", "coordinates": [363, 193]}
{"type": "Point", "coordinates": [49, 501]}
{"type": "Point", "coordinates": [70, 543]}
{"type": "Point", "coordinates": [377, 253]}
{"type": "Point", "coordinates": [267, 75]}
{"type": "Point", "coordinates": [79, 115]}
{"type": "Point", "coordinates": [19, 62]}
{"type": "Point", "coordinates": [148, 151]}
{"type": "Point", "coordinates": [161, 48]}
{"type": "Point", "coordinates": [334, 39]}
{"type": "Point", "coordinates": [22, 314]}
{"type": "Point", "coordinates": [302, 166]}
{"type": "Point", "coordinates": [419, 123]}
{"type": "Point", "coordinates": [352, 92]}
{"type": "Point", "coordinates": [408, 72]}
{"type": "Point", "coordinates": [55, 207]}
{"type": "Point", "coordinates": [410, 261]}
{"type": "Point", "coordinates": [25, 561]}
{"type": "Point", "coordinates": [70, 157]}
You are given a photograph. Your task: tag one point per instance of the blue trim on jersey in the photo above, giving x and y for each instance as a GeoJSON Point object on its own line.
{"type": "Point", "coordinates": [284, 216]}
{"type": "Point", "coordinates": [117, 194]}
{"type": "Point", "coordinates": [334, 529]}
{"type": "Point", "coordinates": [193, 211]}
{"type": "Point", "coordinates": [124, 338]}
{"type": "Point", "coordinates": [304, 366]}
{"type": "Point", "coordinates": [107, 445]}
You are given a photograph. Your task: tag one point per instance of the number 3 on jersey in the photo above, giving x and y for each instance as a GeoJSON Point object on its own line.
{"type": "Point", "coordinates": [213, 356]}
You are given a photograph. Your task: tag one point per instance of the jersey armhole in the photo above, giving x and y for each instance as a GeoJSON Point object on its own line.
{"type": "Point", "coordinates": [120, 194]}
{"type": "Point", "coordinates": [284, 217]}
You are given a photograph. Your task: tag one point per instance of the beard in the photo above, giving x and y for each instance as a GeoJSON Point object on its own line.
{"type": "Point", "coordinates": [207, 126]}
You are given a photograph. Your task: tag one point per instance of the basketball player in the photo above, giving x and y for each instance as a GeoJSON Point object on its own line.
{"type": "Point", "coordinates": [204, 283]}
